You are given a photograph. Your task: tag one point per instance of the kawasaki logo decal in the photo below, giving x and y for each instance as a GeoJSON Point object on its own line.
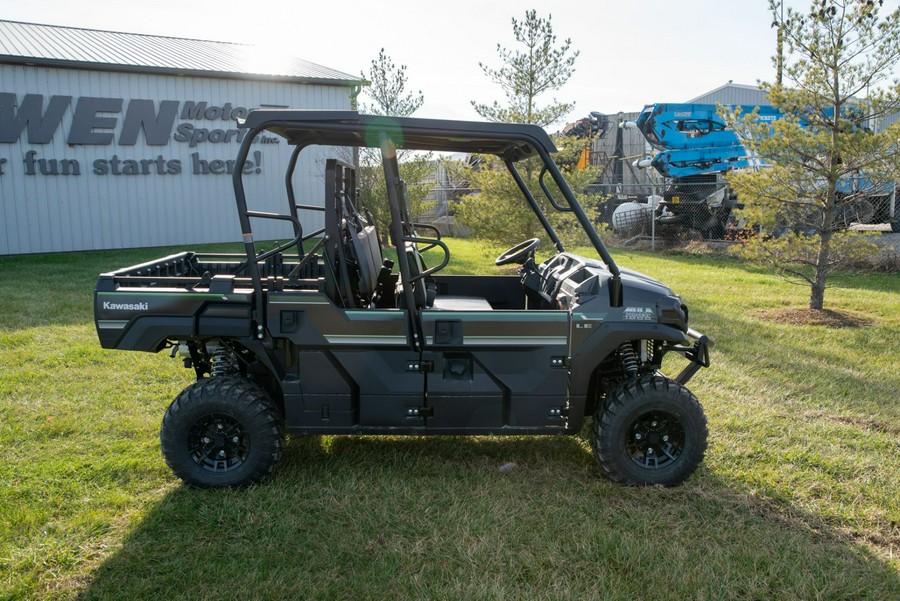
{"type": "Point", "coordinates": [108, 306]}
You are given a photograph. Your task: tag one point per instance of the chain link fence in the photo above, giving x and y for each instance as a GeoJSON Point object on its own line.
{"type": "Point", "coordinates": [662, 212]}
{"type": "Point", "coordinates": [669, 211]}
{"type": "Point", "coordinates": [666, 212]}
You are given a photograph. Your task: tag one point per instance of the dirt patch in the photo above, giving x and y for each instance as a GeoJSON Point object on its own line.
{"type": "Point", "coordinates": [869, 424]}
{"type": "Point", "coordinates": [883, 536]}
{"type": "Point", "coordinates": [813, 317]}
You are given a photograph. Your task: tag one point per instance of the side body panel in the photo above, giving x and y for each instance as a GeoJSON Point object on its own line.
{"type": "Point", "coordinates": [355, 367]}
{"type": "Point", "coordinates": [142, 319]}
{"type": "Point", "coordinates": [497, 369]}
{"type": "Point", "coordinates": [479, 372]}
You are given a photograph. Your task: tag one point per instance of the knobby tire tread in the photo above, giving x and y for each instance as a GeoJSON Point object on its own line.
{"type": "Point", "coordinates": [242, 395]}
{"type": "Point", "coordinates": [618, 403]}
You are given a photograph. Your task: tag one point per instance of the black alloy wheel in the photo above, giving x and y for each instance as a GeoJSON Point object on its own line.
{"type": "Point", "coordinates": [218, 443]}
{"type": "Point", "coordinates": [655, 440]}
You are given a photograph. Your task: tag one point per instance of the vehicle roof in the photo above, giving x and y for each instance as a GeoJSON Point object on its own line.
{"type": "Point", "coordinates": [350, 128]}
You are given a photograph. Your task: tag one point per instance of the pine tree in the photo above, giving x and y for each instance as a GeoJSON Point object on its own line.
{"type": "Point", "coordinates": [535, 67]}
{"type": "Point", "coordinates": [829, 154]}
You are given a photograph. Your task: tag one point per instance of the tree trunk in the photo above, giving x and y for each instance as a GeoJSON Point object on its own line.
{"type": "Point", "coordinates": [817, 293]}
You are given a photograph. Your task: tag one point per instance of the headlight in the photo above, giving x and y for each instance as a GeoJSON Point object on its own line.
{"type": "Point", "coordinates": [672, 312]}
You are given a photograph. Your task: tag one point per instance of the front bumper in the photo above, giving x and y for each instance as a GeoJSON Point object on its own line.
{"type": "Point", "coordinates": [697, 355]}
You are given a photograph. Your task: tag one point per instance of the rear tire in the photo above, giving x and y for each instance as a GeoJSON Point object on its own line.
{"type": "Point", "coordinates": [649, 431]}
{"type": "Point", "coordinates": [222, 431]}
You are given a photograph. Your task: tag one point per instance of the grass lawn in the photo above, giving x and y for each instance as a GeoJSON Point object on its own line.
{"type": "Point", "coordinates": [799, 496]}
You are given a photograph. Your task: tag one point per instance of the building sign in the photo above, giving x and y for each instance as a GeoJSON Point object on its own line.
{"type": "Point", "coordinates": [36, 119]}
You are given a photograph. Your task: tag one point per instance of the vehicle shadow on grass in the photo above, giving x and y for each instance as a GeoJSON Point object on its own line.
{"type": "Point", "coordinates": [456, 518]}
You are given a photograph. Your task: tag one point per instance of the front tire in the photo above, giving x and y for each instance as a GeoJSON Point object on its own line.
{"type": "Point", "coordinates": [649, 431]}
{"type": "Point", "coordinates": [222, 431]}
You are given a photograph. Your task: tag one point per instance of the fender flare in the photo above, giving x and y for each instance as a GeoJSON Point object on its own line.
{"type": "Point", "coordinates": [605, 340]}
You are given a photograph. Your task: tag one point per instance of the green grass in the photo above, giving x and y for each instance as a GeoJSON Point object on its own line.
{"type": "Point", "coordinates": [797, 499]}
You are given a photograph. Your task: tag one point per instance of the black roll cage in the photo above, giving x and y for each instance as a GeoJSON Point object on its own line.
{"type": "Point", "coordinates": [512, 142]}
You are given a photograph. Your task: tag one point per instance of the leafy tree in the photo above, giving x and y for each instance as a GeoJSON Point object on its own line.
{"type": "Point", "coordinates": [387, 89]}
{"type": "Point", "coordinates": [823, 159]}
{"type": "Point", "coordinates": [497, 212]}
{"type": "Point", "coordinates": [539, 66]}
{"type": "Point", "coordinates": [387, 95]}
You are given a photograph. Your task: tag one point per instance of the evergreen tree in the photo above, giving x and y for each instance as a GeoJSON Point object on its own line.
{"type": "Point", "coordinates": [387, 95]}
{"type": "Point", "coordinates": [538, 65]}
{"type": "Point", "coordinates": [829, 152]}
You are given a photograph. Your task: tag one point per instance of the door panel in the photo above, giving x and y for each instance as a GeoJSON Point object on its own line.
{"type": "Point", "coordinates": [354, 365]}
{"type": "Point", "coordinates": [462, 394]}
{"type": "Point", "coordinates": [390, 384]}
{"type": "Point", "coordinates": [497, 368]}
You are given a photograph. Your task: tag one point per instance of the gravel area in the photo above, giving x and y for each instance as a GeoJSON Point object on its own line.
{"type": "Point", "coordinates": [882, 236]}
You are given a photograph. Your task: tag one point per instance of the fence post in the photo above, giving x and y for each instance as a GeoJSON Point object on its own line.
{"type": "Point", "coordinates": [653, 220]}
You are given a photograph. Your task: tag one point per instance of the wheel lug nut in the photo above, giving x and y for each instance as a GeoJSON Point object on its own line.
{"type": "Point", "coordinates": [666, 438]}
{"type": "Point", "coordinates": [637, 436]}
{"type": "Point", "coordinates": [221, 453]}
{"type": "Point", "coordinates": [206, 440]}
{"type": "Point", "coordinates": [235, 439]}
{"type": "Point", "coordinates": [653, 424]}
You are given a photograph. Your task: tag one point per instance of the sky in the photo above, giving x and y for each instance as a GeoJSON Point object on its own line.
{"type": "Point", "coordinates": [631, 53]}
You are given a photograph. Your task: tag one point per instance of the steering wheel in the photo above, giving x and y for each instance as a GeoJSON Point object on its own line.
{"type": "Point", "coordinates": [519, 253]}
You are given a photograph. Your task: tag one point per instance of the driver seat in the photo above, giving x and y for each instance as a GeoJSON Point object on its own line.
{"type": "Point", "coordinates": [425, 293]}
{"type": "Point", "coordinates": [448, 302]}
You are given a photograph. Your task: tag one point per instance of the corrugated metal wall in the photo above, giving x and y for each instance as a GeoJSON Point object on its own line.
{"type": "Point", "coordinates": [740, 94]}
{"type": "Point", "coordinates": [634, 147]}
{"type": "Point", "coordinates": [733, 95]}
{"type": "Point", "coordinates": [90, 210]}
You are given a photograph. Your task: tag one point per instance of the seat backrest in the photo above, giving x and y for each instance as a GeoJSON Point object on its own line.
{"type": "Point", "coordinates": [365, 248]}
{"type": "Point", "coordinates": [416, 267]}
{"type": "Point", "coordinates": [352, 245]}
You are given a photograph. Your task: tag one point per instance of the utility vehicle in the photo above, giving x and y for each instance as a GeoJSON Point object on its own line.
{"type": "Point", "coordinates": [338, 339]}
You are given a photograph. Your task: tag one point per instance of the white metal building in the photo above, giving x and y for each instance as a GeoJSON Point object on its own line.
{"type": "Point", "coordinates": [733, 93]}
{"type": "Point", "coordinates": [116, 140]}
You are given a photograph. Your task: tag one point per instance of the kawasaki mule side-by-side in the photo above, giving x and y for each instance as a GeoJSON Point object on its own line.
{"type": "Point", "coordinates": [338, 339]}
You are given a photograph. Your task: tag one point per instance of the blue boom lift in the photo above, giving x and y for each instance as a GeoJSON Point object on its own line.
{"type": "Point", "coordinates": [695, 148]}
